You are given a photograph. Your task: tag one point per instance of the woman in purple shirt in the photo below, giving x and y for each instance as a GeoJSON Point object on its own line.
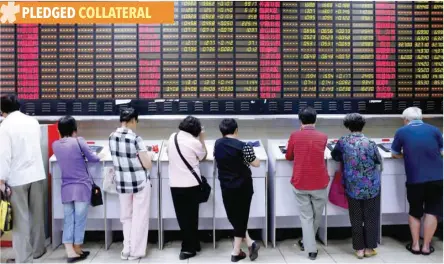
{"type": "Point", "coordinates": [76, 186]}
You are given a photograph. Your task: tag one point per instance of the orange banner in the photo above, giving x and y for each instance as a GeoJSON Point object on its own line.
{"type": "Point", "coordinates": [87, 12]}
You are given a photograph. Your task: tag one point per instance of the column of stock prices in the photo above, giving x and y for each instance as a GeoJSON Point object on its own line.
{"type": "Point", "coordinates": [245, 50]}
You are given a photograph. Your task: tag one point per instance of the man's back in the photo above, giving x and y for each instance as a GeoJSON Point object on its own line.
{"type": "Point", "coordinates": [20, 141]}
{"type": "Point", "coordinates": [306, 148]}
{"type": "Point", "coordinates": [421, 146]}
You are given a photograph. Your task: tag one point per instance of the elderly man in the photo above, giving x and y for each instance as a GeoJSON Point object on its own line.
{"type": "Point", "coordinates": [421, 146]}
{"type": "Point", "coordinates": [21, 167]}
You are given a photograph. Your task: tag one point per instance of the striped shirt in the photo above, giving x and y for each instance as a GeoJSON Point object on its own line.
{"type": "Point", "coordinates": [125, 145]}
{"type": "Point", "coordinates": [306, 148]}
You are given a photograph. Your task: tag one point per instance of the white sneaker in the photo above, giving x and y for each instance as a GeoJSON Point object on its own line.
{"type": "Point", "coordinates": [124, 256]}
{"type": "Point", "coordinates": [133, 258]}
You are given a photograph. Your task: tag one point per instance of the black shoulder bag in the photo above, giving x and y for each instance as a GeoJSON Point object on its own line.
{"type": "Point", "coordinates": [96, 192]}
{"type": "Point", "coordinates": [205, 188]}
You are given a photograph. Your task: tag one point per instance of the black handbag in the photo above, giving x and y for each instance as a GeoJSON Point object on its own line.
{"type": "Point", "coordinates": [205, 188]}
{"type": "Point", "coordinates": [96, 192]}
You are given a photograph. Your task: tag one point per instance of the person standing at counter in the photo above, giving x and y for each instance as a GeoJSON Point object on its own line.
{"type": "Point", "coordinates": [310, 179]}
{"type": "Point", "coordinates": [132, 163]}
{"type": "Point", "coordinates": [184, 186]}
{"type": "Point", "coordinates": [21, 167]}
{"type": "Point", "coordinates": [421, 147]}
{"type": "Point", "coordinates": [362, 179]}
{"type": "Point", "coordinates": [233, 158]}
{"type": "Point", "coordinates": [76, 186]}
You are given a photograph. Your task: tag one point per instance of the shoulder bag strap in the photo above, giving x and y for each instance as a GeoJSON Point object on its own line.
{"type": "Point", "coordinates": [84, 159]}
{"type": "Point", "coordinates": [186, 162]}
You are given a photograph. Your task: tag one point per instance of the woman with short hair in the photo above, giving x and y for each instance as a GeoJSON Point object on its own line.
{"type": "Point", "coordinates": [362, 165]}
{"type": "Point", "coordinates": [234, 159]}
{"type": "Point", "coordinates": [184, 185]}
{"type": "Point", "coordinates": [76, 186]}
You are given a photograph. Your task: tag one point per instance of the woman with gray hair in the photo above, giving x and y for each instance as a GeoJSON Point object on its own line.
{"type": "Point", "coordinates": [361, 177]}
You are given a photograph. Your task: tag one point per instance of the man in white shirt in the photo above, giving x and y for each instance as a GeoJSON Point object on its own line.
{"type": "Point", "coordinates": [21, 167]}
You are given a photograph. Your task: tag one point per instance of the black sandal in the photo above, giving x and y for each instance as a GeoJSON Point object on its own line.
{"type": "Point", "coordinates": [432, 249]}
{"type": "Point", "coordinates": [414, 252]}
{"type": "Point", "coordinates": [241, 256]}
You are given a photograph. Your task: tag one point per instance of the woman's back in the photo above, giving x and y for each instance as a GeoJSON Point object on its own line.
{"type": "Point", "coordinates": [233, 169]}
{"type": "Point", "coordinates": [192, 151]}
{"type": "Point", "coordinates": [76, 183]}
{"type": "Point", "coordinates": [360, 158]}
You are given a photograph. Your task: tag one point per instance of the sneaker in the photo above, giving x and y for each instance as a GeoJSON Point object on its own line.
{"type": "Point", "coordinates": [124, 256]}
{"type": "Point", "coordinates": [133, 258]}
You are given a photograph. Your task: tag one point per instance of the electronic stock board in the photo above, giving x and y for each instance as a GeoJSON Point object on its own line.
{"type": "Point", "coordinates": [223, 57]}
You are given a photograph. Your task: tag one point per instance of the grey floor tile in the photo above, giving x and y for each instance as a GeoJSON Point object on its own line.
{"type": "Point", "coordinates": [351, 258]}
{"type": "Point", "coordinates": [404, 257]}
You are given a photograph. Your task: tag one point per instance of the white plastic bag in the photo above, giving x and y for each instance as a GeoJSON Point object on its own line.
{"type": "Point", "coordinates": [109, 180]}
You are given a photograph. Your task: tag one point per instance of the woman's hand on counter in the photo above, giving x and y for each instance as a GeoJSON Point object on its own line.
{"type": "Point", "coordinates": [102, 155]}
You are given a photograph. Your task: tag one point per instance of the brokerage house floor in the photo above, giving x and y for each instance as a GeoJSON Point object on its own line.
{"type": "Point", "coordinates": [287, 251]}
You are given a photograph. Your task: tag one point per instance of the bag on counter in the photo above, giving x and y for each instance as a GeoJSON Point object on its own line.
{"type": "Point", "coordinates": [109, 180]}
{"type": "Point", "coordinates": [5, 212]}
{"type": "Point", "coordinates": [337, 194]}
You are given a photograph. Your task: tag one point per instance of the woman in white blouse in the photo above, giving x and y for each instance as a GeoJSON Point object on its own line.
{"type": "Point", "coordinates": [184, 186]}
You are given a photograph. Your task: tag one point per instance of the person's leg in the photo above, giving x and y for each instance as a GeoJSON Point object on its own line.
{"type": "Point", "coordinates": [185, 210]}
{"type": "Point", "coordinates": [318, 200]}
{"type": "Point", "coordinates": [248, 239]}
{"type": "Point", "coordinates": [307, 220]}
{"type": "Point", "coordinates": [416, 198]}
{"type": "Point", "coordinates": [80, 218]}
{"type": "Point", "coordinates": [68, 229]}
{"type": "Point", "coordinates": [37, 211]}
{"type": "Point", "coordinates": [432, 209]}
{"type": "Point", "coordinates": [430, 224]}
{"type": "Point", "coordinates": [194, 217]}
{"type": "Point", "coordinates": [356, 214]}
{"type": "Point", "coordinates": [141, 220]}
{"type": "Point", "coordinates": [126, 215]}
{"type": "Point", "coordinates": [371, 223]}
{"type": "Point", "coordinates": [21, 224]}
{"type": "Point", "coordinates": [233, 204]}
{"type": "Point", "coordinates": [415, 230]}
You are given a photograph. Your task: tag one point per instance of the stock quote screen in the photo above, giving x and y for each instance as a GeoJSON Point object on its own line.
{"type": "Point", "coordinates": [327, 53]}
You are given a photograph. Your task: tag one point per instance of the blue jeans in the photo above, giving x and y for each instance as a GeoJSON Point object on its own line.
{"type": "Point", "coordinates": [74, 223]}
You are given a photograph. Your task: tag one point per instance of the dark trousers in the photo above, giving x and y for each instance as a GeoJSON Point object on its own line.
{"type": "Point", "coordinates": [364, 219]}
{"type": "Point", "coordinates": [237, 203]}
{"type": "Point", "coordinates": [186, 205]}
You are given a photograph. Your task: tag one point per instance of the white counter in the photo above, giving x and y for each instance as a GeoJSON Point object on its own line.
{"type": "Point", "coordinates": [107, 217]}
{"type": "Point", "coordinates": [393, 208]}
{"type": "Point", "coordinates": [259, 204]}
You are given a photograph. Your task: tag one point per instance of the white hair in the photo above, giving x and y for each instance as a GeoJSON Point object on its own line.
{"type": "Point", "coordinates": [412, 113]}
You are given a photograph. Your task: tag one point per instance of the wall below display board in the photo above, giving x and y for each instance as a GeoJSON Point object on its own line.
{"type": "Point", "coordinates": [381, 127]}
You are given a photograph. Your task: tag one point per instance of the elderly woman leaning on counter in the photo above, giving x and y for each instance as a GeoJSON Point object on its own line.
{"type": "Point", "coordinates": [183, 183]}
{"type": "Point", "coordinates": [234, 159]}
{"type": "Point", "coordinates": [76, 186]}
{"type": "Point", "coordinates": [362, 166]}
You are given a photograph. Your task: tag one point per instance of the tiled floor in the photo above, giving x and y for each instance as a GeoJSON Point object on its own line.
{"type": "Point", "coordinates": [339, 251]}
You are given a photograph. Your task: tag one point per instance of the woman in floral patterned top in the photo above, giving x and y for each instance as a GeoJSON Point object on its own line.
{"type": "Point", "coordinates": [362, 165]}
